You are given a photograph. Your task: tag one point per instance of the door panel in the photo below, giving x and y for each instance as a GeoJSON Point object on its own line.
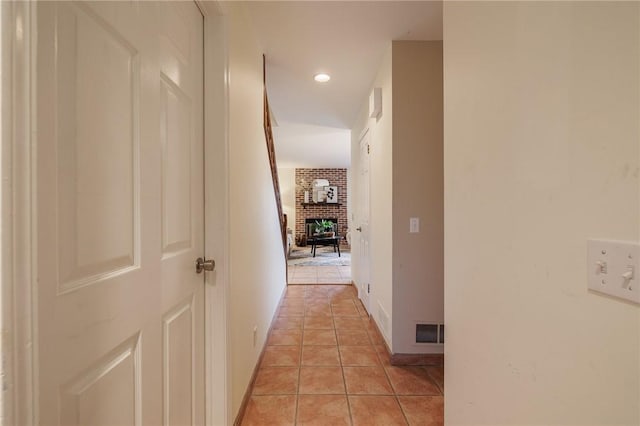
{"type": "Point", "coordinates": [120, 213]}
{"type": "Point", "coordinates": [94, 145]}
{"type": "Point", "coordinates": [179, 371]}
{"type": "Point", "coordinates": [103, 394]}
{"type": "Point", "coordinates": [175, 134]}
{"type": "Point", "coordinates": [364, 281]}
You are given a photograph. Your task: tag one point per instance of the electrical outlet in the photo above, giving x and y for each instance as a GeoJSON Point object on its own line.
{"type": "Point", "coordinates": [255, 335]}
{"type": "Point", "coordinates": [613, 268]}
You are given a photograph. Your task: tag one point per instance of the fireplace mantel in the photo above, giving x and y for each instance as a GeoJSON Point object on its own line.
{"type": "Point", "coordinates": [304, 205]}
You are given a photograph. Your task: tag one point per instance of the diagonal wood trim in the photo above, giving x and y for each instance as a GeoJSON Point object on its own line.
{"type": "Point", "coordinates": [272, 157]}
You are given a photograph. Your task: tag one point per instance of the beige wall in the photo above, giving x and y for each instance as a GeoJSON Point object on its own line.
{"type": "Point", "coordinates": [406, 181]}
{"type": "Point", "coordinates": [418, 258]}
{"type": "Point", "coordinates": [542, 147]}
{"type": "Point", "coordinates": [257, 277]}
{"type": "Point", "coordinates": [381, 230]}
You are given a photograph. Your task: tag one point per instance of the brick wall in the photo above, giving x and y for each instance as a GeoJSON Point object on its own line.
{"type": "Point", "coordinates": [304, 179]}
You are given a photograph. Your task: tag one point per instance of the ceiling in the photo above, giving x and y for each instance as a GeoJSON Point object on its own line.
{"type": "Point", "coordinates": [344, 39]}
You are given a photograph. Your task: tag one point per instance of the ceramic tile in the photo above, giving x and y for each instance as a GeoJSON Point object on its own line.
{"type": "Point", "coordinates": [291, 311]}
{"type": "Point", "coordinates": [320, 356]}
{"type": "Point", "coordinates": [362, 312]}
{"type": "Point", "coordinates": [366, 381]}
{"type": "Point", "coordinates": [318, 322]}
{"type": "Point", "coordinates": [323, 410]}
{"type": "Point", "coordinates": [352, 337]}
{"type": "Point", "coordinates": [423, 410]}
{"type": "Point", "coordinates": [302, 280]}
{"type": "Point", "coordinates": [348, 323]}
{"type": "Point", "coordinates": [317, 302]}
{"type": "Point", "coordinates": [270, 411]}
{"type": "Point", "coordinates": [348, 291]}
{"type": "Point", "coordinates": [329, 280]}
{"type": "Point", "coordinates": [311, 374]}
{"type": "Point", "coordinates": [437, 375]}
{"type": "Point", "coordinates": [359, 356]}
{"type": "Point", "coordinates": [285, 337]}
{"type": "Point", "coordinates": [276, 381]}
{"type": "Point", "coordinates": [411, 381]}
{"type": "Point", "coordinates": [305, 274]}
{"type": "Point", "coordinates": [287, 323]}
{"type": "Point", "coordinates": [316, 294]}
{"type": "Point", "coordinates": [293, 302]}
{"type": "Point", "coordinates": [339, 297]}
{"type": "Point", "coordinates": [321, 310]}
{"type": "Point", "coordinates": [383, 354]}
{"type": "Point", "coordinates": [376, 338]}
{"type": "Point", "coordinates": [281, 356]}
{"type": "Point", "coordinates": [345, 311]}
{"type": "Point", "coordinates": [294, 291]}
{"type": "Point", "coordinates": [376, 411]}
{"type": "Point", "coordinates": [319, 337]}
{"type": "Point", "coordinates": [321, 380]}
{"type": "Point", "coordinates": [345, 303]}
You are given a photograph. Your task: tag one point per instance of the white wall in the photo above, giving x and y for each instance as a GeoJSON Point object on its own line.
{"type": "Point", "coordinates": [287, 178]}
{"type": "Point", "coordinates": [257, 276]}
{"type": "Point", "coordinates": [381, 184]}
{"type": "Point", "coordinates": [541, 153]}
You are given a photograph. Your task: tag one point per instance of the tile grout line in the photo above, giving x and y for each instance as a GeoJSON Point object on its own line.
{"type": "Point", "coordinates": [434, 381]}
{"type": "Point", "coordinates": [304, 315]}
{"type": "Point", "coordinates": [395, 392]}
{"type": "Point", "coordinates": [344, 380]}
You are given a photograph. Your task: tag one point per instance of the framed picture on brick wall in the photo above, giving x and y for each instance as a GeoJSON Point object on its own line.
{"type": "Point", "coordinates": [332, 194]}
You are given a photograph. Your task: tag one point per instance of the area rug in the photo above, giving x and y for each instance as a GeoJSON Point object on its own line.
{"type": "Point", "coordinates": [325, 256]}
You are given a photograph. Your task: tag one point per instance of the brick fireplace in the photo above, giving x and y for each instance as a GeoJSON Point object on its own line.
{"type": "Point", "coordinates": [304, 179]}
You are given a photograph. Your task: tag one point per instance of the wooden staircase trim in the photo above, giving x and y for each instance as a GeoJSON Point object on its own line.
{"type": "Point", "coordinates": [268, 133]}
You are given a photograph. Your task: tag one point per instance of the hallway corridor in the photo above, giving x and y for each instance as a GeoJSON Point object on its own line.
{"type": "Point", "coordinates": [326, 364]}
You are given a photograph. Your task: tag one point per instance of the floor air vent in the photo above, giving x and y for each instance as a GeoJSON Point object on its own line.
{"type": "Point", "coordinates": [429, 333]}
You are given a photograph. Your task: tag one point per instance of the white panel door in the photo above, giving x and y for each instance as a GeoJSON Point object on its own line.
{"type": "Point", "coordinates": [119, 210]}
{"type": "Point", "coordinates": [364, 280]}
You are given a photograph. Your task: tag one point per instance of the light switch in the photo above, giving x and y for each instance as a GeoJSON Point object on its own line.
{"type": "Point", "coordinates": [611, 268]}
{"type": "Point", "coordinates": [414, 225]}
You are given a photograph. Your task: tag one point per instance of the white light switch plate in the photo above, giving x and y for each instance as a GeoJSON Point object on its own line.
{"type": "Point", "coordinates": [414, 225]}
{"type": "Point", "coordinates": [608, 262]}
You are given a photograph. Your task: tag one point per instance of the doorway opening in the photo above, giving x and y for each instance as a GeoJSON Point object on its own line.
{"type": "Point", "coordinates": [319, 237]}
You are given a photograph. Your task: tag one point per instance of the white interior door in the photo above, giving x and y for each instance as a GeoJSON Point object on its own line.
{"type": "Point", "coordinates": [119, 213]}
{"type": "Point", "coordinates": [364, 274]}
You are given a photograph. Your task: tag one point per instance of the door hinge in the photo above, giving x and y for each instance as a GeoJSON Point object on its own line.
{"type": "Point", "coordinates": [368, 148]}
{"type": "Point", "coordinates": [368, 288]}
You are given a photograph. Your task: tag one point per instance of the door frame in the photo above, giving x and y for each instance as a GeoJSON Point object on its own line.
{"type": "Point", "coordinates": [19, 363]}
{"type": "Point", "coordinates": [216, 210]}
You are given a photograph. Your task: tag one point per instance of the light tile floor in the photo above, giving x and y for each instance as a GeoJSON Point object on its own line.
{"type": "Point", "coordinates": [326, 364]}
{"type": "Point", "coordinates": [319, 274]}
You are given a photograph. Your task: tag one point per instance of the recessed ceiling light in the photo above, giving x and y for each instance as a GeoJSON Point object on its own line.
{"type": "Point", "coordinates": [322, 77]}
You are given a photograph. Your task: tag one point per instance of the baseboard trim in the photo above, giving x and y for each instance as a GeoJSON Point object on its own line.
{"type": "Point", "coordinates": [409, 359]}
{"type": "Point", "coordinates": [417, 359]}
{"type": "Point", "coordinates": [249, 391]}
